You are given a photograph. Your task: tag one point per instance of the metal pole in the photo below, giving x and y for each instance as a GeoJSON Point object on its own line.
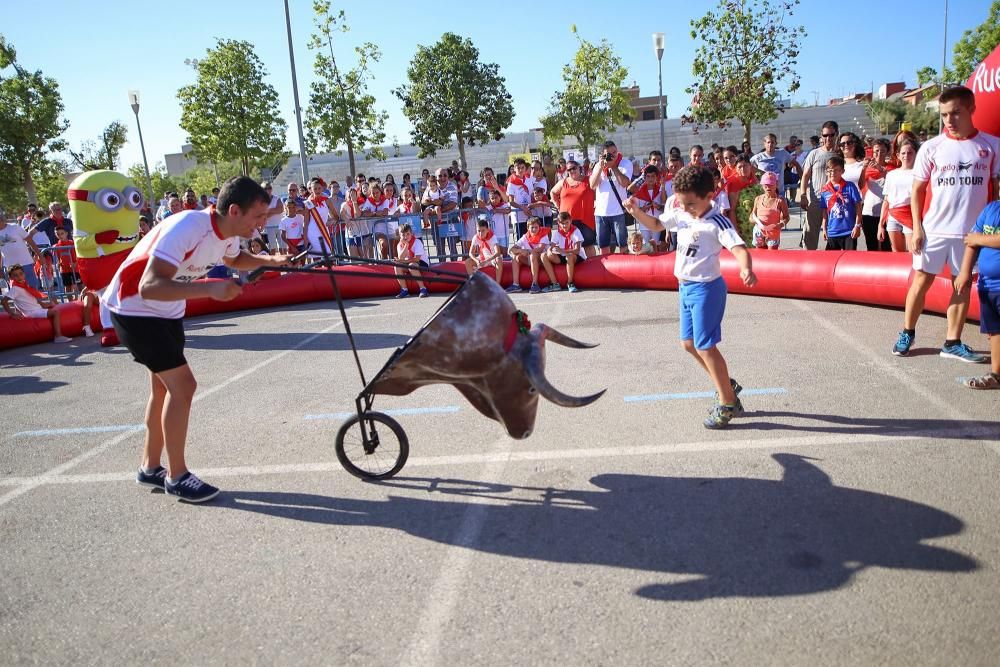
{"type": "Point", "coordinates": [303, 158]}
{"type": "Point", "coordinates": [145, 163]}
{"type": "Point", "coordinates": [944, 59]}
{"type": "Point", "coordinates": [663, 140]}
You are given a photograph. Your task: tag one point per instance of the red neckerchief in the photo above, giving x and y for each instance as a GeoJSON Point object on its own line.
{"type": "Point", "coordinates": [376, 203]}
{"type": "Point", "coordinates": [392, 203]}
{"type": "Point", "coordinates": [838, 193]}
{"type": "Point", "coordinates": [407, 206]}
{"type": "Point", "coordinates": [318, 200]}
{"type": "Point", "coordinates": [644, 193]}
{"type": "Point", "coordinates": [513, 179]}
{"type": "Point", "coordinates": [28, 288]}
{"type": "Point", "coordinates": [567, 238]}
{"type": "Point", "coordinates": [409, 248]}
{"type": "Point", "coordinates": [190, 207]}
{"type": "Point", "coordinates": [534, 241]}
{"type": "Point", "coordinates": [484, 242]}
{"type": "Point", "coordinates": [618, 161]}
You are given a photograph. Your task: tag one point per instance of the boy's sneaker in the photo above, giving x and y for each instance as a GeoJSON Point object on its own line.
{"type": "Point", "coordinates": [554, 287]}
{"type": "Point", "coordinates": [721, 415]}
{"type": "Point", "coordinates": [403, 293]}
{"type": "Point", "coordinates": [190, 489]}
{"type": "Point", "coordinates": [423, 293]}
{"type": "Point", "coordinates": [903, 344]}
{"type": "Point", "coordinates": [962, 352]}
{"type": "Point", "coordinates": [737, 388]}
{"type": "Point", "coordinates": [572, 288]}
{"type": "Point", "coordinates": [514, 289]}
{"type": "Point", "coordinates": [153, 480]}
{"type": "Point", "coordinates": [61, 339]}
{"type": "Point", "coordinates": [535, 289]}
{"type": "Point", "coordinates": [88, 332]}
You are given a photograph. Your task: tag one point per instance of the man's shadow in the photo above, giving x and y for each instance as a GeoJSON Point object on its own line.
{"type": "Point", "coordinates": [29, 384]}
{"type": "Point", "coordinates": [952, 429]}
{"type": "Point", "coordinates": [732, 536]}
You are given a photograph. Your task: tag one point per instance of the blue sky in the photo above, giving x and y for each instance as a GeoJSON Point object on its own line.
{"type": "Point", "coordinates": [97, 57]}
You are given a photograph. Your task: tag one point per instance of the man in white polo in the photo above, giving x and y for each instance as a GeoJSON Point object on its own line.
{"type": "Point", "coordinates": [611, 176]}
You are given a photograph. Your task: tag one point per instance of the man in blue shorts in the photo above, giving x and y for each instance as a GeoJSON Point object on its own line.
{"type": "Point", "coordinates": [983, 243]}
{"type": "Point", "coordinates": [702, 232]}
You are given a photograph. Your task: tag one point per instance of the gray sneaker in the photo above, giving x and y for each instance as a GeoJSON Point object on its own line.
{"type": "Point", "coordinates": [554, 287]}
{"type": "Point", "coordinates": [535, 289]}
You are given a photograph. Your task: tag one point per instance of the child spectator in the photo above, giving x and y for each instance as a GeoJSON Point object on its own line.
{"type": "Point", "coordinates": [650, 196]}
{"type": "Point", "coordinates": [519, 195]}
{"type": "Point", "coordinates": [566, 248]}
{"type": "Point", "coordinates": [721, 197]}
{"type": "Point", "coordinates": [431, 201]}
{"type": "Point", "coordinates": [840, 201]}
{"type": "Point", "coordinates": [637, 244]}
{"type": "Point", "coordinates": [290, 228]}
{"type": "Point", "coordinates": [67, 261]}
{"type": "Point", "coordinates": [540, 206]}
{"type": "Point", "coordinates": [769, 214]}
{"type": "Point", "coordinates": [485, 250]}
{"type": "Point", "coordinates": [529, 250]}
{"type": "Point", "coordinates": [24, 301]}
{"type": "Point", "coordinates": [144, 225]}
{"type": "Point", "coordinates": [702, 233]}
{"type": "Point", "coordinates": [468, 223]}
{"type": "Point", "coordinates": [353, 214]}
{"type": "Point", "coordinates": [499, 212]}
{"type": "Point", "coordinates": [385, 228]}
{"type": "Point", "coordinates": [896, 220]}
{"type": "Point", "coordinates": [410, 250]}
{"type": "Point", "coordinates": [983, 245]}
{"type": "Point", "coordinates": [257, 247]}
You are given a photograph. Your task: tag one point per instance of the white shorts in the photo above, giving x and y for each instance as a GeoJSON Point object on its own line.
{"type": "Point", "coordinates": [893, 225]}
{"type": "Point", "coordinates": [37, 314]}
{"type": "Point", "coordinates": [939, 251]}
{"type": "Point", "coordinates": [500, 232]}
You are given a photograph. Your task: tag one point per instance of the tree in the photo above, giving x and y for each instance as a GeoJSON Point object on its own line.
{"type": "Point", "coordinates": [162, 182]}
{"type": "Point", "coordinates": [968, 52]}
{"type": "Point", "coordinates": [452, 97]}
{"type": "Point", "coordinates": [341, 112]}
{"type": "Point", "coordinates": [102, 154]}
{"type": "Point", "coordinates": [202, 178]}
{"type": "Point", "coordinates": [592, 103]}
{"type": "Point", "coordinates": [231, 113]}
{"type": "Point", "coordinates": [745, 62]}
{"type": "Point", "coordinates": [30, 123]}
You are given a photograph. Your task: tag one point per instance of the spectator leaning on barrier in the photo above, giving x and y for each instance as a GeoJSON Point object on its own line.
{"type": "Point", "coordinates": [574, 196]}
{"type": "Point", "coordinates": [610, 181]}
{"type": "Point", "coordinates": [518, 188]}
{"type": "Point", "coordinates": [813, 179]}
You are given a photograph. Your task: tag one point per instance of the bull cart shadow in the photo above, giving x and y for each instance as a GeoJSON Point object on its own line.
{"type": "Point", "coordinates": [267, 342]}
{"type": "Point", "coordinates": [714, 537]}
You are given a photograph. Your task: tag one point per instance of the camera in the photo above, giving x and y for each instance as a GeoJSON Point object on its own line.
{"type": "Point", "coordinates": [607, 157]}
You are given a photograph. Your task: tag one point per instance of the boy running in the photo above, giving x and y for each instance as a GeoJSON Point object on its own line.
{"type": "Point", "coordinates": [702, 232]}
{"type": "Point", "coordinates": [147, 297]}
{"type": "Point", "coordinates": [958, 167]}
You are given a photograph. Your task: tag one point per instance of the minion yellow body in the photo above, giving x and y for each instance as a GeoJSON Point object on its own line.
{"type": "Point", "coordinates": [105, 209]}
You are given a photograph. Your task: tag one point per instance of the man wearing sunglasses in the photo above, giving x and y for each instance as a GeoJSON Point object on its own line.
{"type": "Point", "coordinates": [813, 179]}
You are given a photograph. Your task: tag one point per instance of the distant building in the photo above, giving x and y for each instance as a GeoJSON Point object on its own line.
{"type": "Point", "coordinates": [887, 90]}
{"type": "Point", "coordinates": [643, 108]}
{"type": "Point", "coordinates": [918, 95]}
{"type": "Point", "coordinates": [178, 163]}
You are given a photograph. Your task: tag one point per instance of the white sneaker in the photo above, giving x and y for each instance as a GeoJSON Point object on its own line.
{"type": "Point", "coordinates": [61, 339]}
{"type": "Point", "coordinates": [87, 331]}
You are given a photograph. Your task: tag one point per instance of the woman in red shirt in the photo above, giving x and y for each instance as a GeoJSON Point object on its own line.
{"type": "Point", "coordinates": [574, 195]}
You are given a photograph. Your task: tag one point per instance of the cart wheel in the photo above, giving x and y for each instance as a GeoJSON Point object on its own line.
{"type": "Point", "coordinates": [372, 447]}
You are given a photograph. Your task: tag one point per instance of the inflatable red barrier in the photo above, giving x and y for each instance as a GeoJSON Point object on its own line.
{"type": "Point", "coordinates": [879, 279]}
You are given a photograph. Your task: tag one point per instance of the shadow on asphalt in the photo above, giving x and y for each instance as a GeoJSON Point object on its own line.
{"type": "Point", "coordinates": [736, 537]}
{"type": "Point", "coordinates": [946, 429]}
{"type": "Point", "coordinates": [276, 342]}
{"type": "Point", "coordinates": [28, 384]}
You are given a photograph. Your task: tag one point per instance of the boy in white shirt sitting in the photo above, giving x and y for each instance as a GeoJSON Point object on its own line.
{"type": "Point", "coordinates": [485, 250]}
{"type": "Point", "coordinates": [24, 301]}
{"type": "Point", "coordinates": [529, 250]}
{"type": "Point", "coordinates": [566, 248]}
{"type": "Point", "coordinates": [410, 250]}
{"type": "Point", "coordinates": [702, 232]}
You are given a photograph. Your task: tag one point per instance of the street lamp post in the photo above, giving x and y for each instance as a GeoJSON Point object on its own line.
{"type": "Point", "coordinates": [303, 158]}
{"type": "Point", "coordinates": [133, 98]}
{"type": "Point", "coordinates": [658, 40]}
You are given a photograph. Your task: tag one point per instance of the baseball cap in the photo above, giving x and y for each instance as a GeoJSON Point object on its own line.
{"type": "Point", "coordinates": [769, 178]}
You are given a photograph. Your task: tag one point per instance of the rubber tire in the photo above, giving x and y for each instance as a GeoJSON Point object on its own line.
{"type": "Point", "coordinates": [386, 420]}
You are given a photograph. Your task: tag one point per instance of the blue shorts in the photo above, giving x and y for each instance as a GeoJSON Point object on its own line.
{"type": "Point", "coordinates": [989, 311]}
{"type": "Point", "coordinates": [608, 225]}
{"type": "Point", "coordinates": [702, 308]}
{"type": "Point", "coordinates": [357, 241]}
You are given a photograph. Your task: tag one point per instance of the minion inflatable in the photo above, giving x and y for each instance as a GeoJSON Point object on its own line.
{"type": "Point", "coordinates": [105, 209]}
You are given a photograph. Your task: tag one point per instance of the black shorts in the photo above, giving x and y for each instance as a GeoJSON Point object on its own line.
{"type": "Point", "coordinates": [155, 342]}
{"type": "Point", "coordinates": [561, 259]}
{"type": "Point", "coordinates": [70, 278]}
{"type": "Point", "coordinates": [841, 243]}
{"type": "Point", "coordinates": [589, 235]}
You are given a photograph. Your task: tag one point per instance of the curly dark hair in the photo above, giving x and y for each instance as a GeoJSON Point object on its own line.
{"type": "Point", "coordinates": [696, 179]}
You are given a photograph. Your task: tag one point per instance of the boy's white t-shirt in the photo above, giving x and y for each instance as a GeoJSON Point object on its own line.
{"type": "Point", "coordinates": [566, 242]}
{"type": "Point", "coordinates": [484, 248]}
{"type": "Point", "coordinates": [520, 194]}
{"type": "Point", "coordinates": [699, 242]}
{"type": "Point", "coordinates": [292, 226]}
{"type": "Point", "coordinates": [524, 244]}
{"type": "Point", "coordinates": [419, 253]}
{"type": "Point", "coordinates": [722, 200]}
{"type": "Point", "coordinates": [25, 302]}
{"type": "Point", "coordinates": [958, 172]}
{"type": "Point", "coordinates": [189, 240]}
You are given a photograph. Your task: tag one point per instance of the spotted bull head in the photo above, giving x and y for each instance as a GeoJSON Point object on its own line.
{"type": "Point", "coordinates": [480, 344]}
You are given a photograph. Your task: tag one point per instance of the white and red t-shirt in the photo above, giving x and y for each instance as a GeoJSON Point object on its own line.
{"type": "Point", "coordinates": [566, 242]}
{"type": "Point", "coordinates": [189, 240]}
{"type": "Point", "coordinates": [959, 172]}
{"type": "Point", "coordinates": [897, 190]}
{"type": "Point", "coordinates": [412, 250]}
{"type": "Point", "coordinates": [529, 242]}
{"type": "Point", "coordinates": [519, 191]}
{"type": "Point", "coordinates": [484, 248]}
{"type": "Point", "coordinates": [26, 298]}
{"type": "Point", "coordinates": [292, 227]}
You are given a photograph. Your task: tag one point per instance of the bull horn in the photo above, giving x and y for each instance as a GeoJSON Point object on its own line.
{"type": "Point", "coordinates": [536, 375]}
{"type": "Point", "coordinates": [544, 332]}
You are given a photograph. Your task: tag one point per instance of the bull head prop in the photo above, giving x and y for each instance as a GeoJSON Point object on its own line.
{"type": "Point", "coordinates": [480, 344]}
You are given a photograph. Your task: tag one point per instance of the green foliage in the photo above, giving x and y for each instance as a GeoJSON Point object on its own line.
{"type": "Point", "coordinates": [231, 113]}
{"type": "Point", "coordinates": [452, 97]}
{"type": "Point", "coordinates": [592, 102]}
{"type": "Point", "coordinates": [162, 183]}
{"type": "Point", "coordinates": [743, 210]}
{"type": "Point", "coordinates": [745, 61]}
{"type": "Point", "coordinates": [202, 178]}
{"type": "Point", "coordinates": [341, 112]}
{"type": "Point", "coordinates": [922, 119]}
{"type": "Point", "coordinates": [968, 52]}
{"type": "Point", "coordinates": [888, 116]}
{"type": "Point", "coordinates": [102, 154]}
{"type": "Point", "coordinates": [30, 122]}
